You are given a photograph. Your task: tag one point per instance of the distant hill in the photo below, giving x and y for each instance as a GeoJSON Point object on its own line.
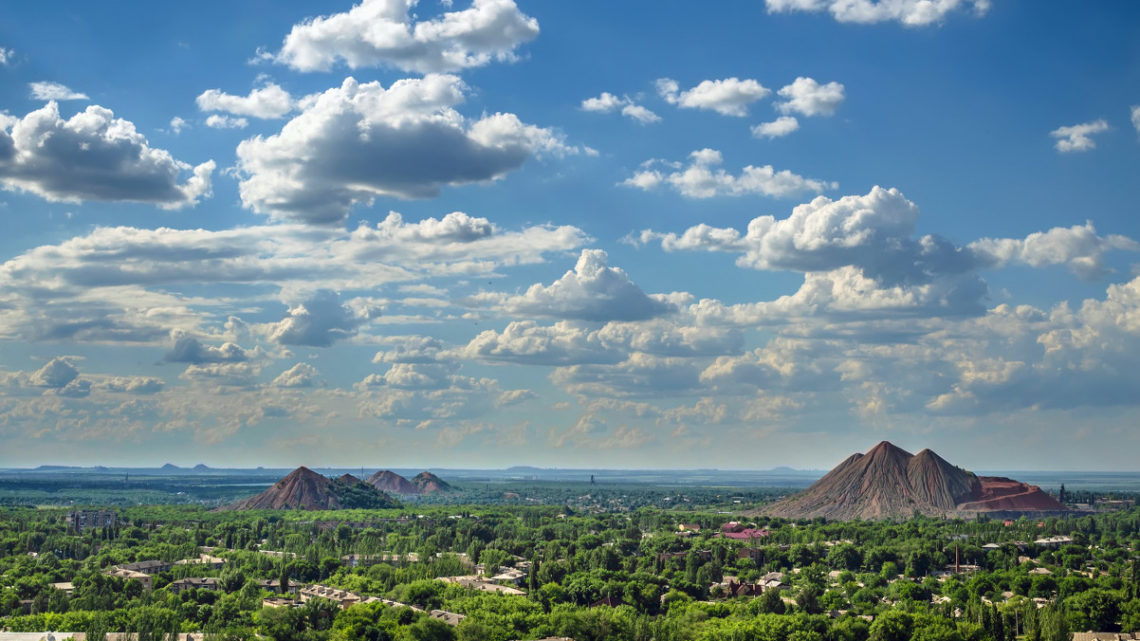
{"type": "Point", "coordinates": [429, 483]}
{"type": "Point", "coordinates": [201, 467]}
{"type": "Point", "coordinates": [890, 483]}
{"type": "Point", "coordinates": [386, 481]}
{"type": "Point", "coordinates": [305, 489]}
{"type": "Point", "coordinates": [784, 469]}
{"type": "Point", "coordinates": [170, 467]}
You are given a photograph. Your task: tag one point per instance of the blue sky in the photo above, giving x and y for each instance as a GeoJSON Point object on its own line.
{"type": "Point", "coordinates": [479, 234]}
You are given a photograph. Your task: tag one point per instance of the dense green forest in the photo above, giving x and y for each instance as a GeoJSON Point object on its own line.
{"type": "Point", "coordinates": [627, 575]}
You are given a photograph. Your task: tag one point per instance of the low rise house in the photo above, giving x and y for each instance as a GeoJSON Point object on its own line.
{"type": "Point", "coordinates": [272, 585]}
{"type": "Point", "coordinates": [513, 576]}
{"type": "Point", "coordinates": [450, 618]}
{"type": "Point", "coordinates": [148, 567]}
{"type": "Point", "coordinates": [1053, 541]}
{"type": "Point", "coordinates": [476, 582]}
{"type": "Point", "coordinates": [740, 532]}
{"type": "Point", "coordinates": [344, 598]}
{"type": "Point", "coordinates": [1103, 636]}
{"type": "Point", "coordinates": [201, 583]}
{"type": "Point", "coordinates": [747, 534]}
{"type": "Point", "coordinates": [358, 560]}
{"type": "Point", "coordinates": [131, 575]}
{"type": "Point", "coordinates": [735, 589]}
{"type": "Point", "coordinates": [368, 560]}
{"type": "Point", "coordinates": [391, 603]}
{"type": "Point", "coordinates": [206, 560]}
{"type": "Point", "coordinates": [756, 554]}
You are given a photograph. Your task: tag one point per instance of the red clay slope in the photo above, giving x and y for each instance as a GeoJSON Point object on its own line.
{"type": "Point", "coordinates": [890, 483]}
{"type": "Point", "coordinates": [998, 493]}
{"type": "Point", "coordinates": [386, 481]}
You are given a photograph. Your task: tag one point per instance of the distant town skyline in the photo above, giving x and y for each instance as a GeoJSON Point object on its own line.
{"type": "Point", "coordinates": [487, 233]}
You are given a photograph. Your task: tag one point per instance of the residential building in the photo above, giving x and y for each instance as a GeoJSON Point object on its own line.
{"type": "Point", "coordinates": [212, 562]}
{"type": "Point", "coordinates": [131, 575]}
{"type": "Point", "coordinates": [1103, 636]}
{"type": "Point", "coordinates": [1053, 541]}
{"type": "Point", "coordinates": [201, 583]}
{"type": "Point", "coordinates": [450, 618]}
{"type": "Point", "coordinates": [82, 520]}
{"type": "Point", "coordinates": [147, 567]}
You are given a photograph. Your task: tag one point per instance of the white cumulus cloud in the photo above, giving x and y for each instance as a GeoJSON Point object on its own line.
{"type": "Point", "coordinates": [319, 321]}
{"type": "Point", "coordinates": [604, 103]}
{"type": "Point", "coordinates": [807, 97]}
{"type": "Point", "coordinates": [57, 372]}
{"type": "Point", "coordinates": [94, 156]}
{"type": "Point", "coordinates": [912, 13]}
{"type": "Point", "coordinates": [358, 141]}
{"type": "Point", "coordinates": [222, 374]}
{"type": "Point", "coordinates": [702, 178]}
{"type": "Point", "coordinates": [592, 291]}
{"type": "Point", "coordinates": [300, 375]}
{"type": "Point", "coordinates": [1078, 137]}
{"type": "Point", "coordinates": [54, 91]}
{"type": "Point", "coordinates": [269, 101]}
{"type": "Point", "coordinates": [729, 97]}
{"type": "Point", "coordinates": [1078, 247]}
{"type": "Point", "coordinates": [860, 254]}
{"type": "Point", "coordinates": [608, 103]}
{"type": "Point", "coordinates": [777, 128]}
{"type": "Point", "coordinates": [218, 121]}
{"type": "Point", "coordinates": [188, 349]}
{"type": "Point", "coordinates": [384, 33]}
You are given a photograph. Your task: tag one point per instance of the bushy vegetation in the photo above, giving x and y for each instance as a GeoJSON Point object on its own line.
{"type": "Point", "coordinates": [356, 495]}
{"type": "Point", "coordinates": [625, 575]}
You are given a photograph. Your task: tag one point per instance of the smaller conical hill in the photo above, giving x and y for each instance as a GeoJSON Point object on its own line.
{"type": "Point", "coordinates": [430, 483]}
{"type": "Point", "coordinates": [387, 481]}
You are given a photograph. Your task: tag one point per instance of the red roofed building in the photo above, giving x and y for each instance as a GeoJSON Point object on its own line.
{"type": "Point", "coordinates": [740, 532]}
{"type": "Point", "coordinates": [745, 534]}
